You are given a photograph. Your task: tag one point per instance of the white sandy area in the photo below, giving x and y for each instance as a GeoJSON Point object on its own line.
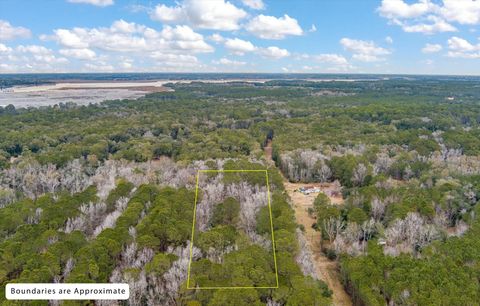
{"type": "Point", "coordinates": [78, 96]}
{"type": "Point", "coordinates": [87, 85]}
{"type": "Point", "coordinates": [86, 92]}
{"type": "Point", "coordinates": [118, 84]}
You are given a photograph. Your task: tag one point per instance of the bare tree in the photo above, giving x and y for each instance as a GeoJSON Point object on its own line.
{"type": "Point", "coordinates": [111, 218]}
{"type": "Point", "coordinates": [348, 241]}
{"type": "Point", "coordinates": [271, 302]}
{"type": "Point", "coordinates": [90, 216]}
{"type": "Point", "coordinates": [378, 209]}
{"type": "Point", "coordinates": [368, 229]}
{"type": "Point", "coordinates": [332, 227]}
{"type": "Point", "coordinates": [7, 196]}
{"type": "Point", "coordinates": [324, 173]}
{"type": "Point", "coordinates": [213, 193]}
{"type": "Point", "coordinates": [382, 164]}
{"type": "Point", "coordinates": [305, 165]}
{"type": "Point", "coordinates": [251, 199]}
{"type": "Point", "coordinates": [304, 257]}
{"type": "Point", "coordinates": [359, 174]}
{"type": "Point", "coordinates": [409, 234]}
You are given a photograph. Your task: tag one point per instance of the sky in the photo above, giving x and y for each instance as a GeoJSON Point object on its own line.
{"type": "Point", "coordinates": [315, 36]}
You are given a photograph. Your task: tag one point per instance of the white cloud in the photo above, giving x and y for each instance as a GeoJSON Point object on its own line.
{"type": "Point", "coordinates": [5, 49]}
{"type": "Point", "coordinates": [175, 60]}
{"type": "Point", "coordinates": [393, 9]}
{"type": "Point", "coordinates": [254, 4]}
{"type": "Point", "coordinates": [164, 13]}
{"type": "Point", "coordinates": [50, 59]}
{"type": "Point", "coordinates": [302, 56]}
{"type": "Point", "coordinates": [313, 28]}
{"type": "Point", "coordinates": [171, 57]}
{"type": "Point", "coordinates": [389, 40]}
{"type": "Point", "coordinates": [35, 58]}
{"type": "Point", "coordinates": [40, 53]}
{"type": "Point", "coordinates": [274, 52]}
{"type": "Point", "coordinates": [69, 38]}
{"type": "Point", "coordinates": [239, 46]}
{"type": "Point", "coordinates": [34, 49]}
{"type": "Point", "coordinates": [126, 65]}
{"type": "Point", "coordinates": [432, 48]}
{"type": "Point", "coordinates": [8, 68]}
{"type": "Point", "coordinates": [326, 62]}
{"type": "Point", "coordinates": [428, 17]}
{"type": "Point", "coordinates": [206, 14]}
{"type": "Point", "coordinates": [217, 38]}
{"type": "Point", "coordinates": [183, 38]}
{"type": "Point", "coordinates": [30, 58]}
{"type": "Point", "coordinates": [461, 11]}
{"type": "Point", "coordinates": [121, 26]}
{"type": "Point", "coordinates": [270, 27]}
{"type": "Point", "coordinates": [138, 8]}
{"type": "Point", "coordinates": [83, 54]}
{"type": "Point", "coordinates": [365, 51]}
{"type": "Point", "coordinates": [228, 62]}
{"type": "Point", "coordinates": [335, 62]}
{"type": "Point", "coordinates": [94, 2]}
{"type": "Point", "coordinates": [459, 47]}
{"type": "Point", "coordinates": [131, 37]}
{"type": "Point", "coordinates": [7, 31]}
{"type": "Point", "coordinates": [431, 25]}
{"type": "Point", "coordinates": [460, 44]}
{"type": "Point", "coordinates": [100, 67]}
{"type": "Point", "coordinates": [106, 48]}
{"type": "Point", "coordinates": [331, 58]}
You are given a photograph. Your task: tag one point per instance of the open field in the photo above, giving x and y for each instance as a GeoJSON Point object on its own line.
{"type": "Point", "coordinates": [78, 96]}
{"type": "Point", "coordinates": [87, 85]}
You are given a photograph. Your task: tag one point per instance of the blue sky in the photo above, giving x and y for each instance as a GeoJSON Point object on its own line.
{"type": "Point", "coordinates": [334, 36]}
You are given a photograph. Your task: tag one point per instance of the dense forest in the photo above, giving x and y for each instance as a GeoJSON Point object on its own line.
{"type": "Point", "coordinates": [106, 192]}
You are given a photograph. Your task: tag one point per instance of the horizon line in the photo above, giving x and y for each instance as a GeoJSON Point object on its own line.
{"type": "Point", "coordinates": [240, 73]}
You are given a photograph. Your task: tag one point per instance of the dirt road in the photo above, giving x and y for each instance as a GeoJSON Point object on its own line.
{"type": "Point", "coordinates": [325, 268]}
{"type": "Point", "coordinates": [268, 151]}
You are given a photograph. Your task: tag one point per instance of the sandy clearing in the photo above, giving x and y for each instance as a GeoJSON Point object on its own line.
{"type": "Point", "coordinates": [149, 89]}
{"type": "Point", "coordinates": [85, 84]}
{"type": "Point", "coordinates": [77, 96]}
{"type": "Point", "coordinates": [80, 93]}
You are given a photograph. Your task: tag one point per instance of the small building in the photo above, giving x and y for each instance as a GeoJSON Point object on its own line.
{"type": "Point", "coordinates": [309, 189]}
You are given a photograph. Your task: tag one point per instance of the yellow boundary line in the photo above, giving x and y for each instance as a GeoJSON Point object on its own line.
{"type": "Point", "coordinates": [193, 234]}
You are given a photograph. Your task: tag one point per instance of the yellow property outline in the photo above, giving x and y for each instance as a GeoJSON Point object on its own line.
{"type": "Point", "coordinates": [271, 228]}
